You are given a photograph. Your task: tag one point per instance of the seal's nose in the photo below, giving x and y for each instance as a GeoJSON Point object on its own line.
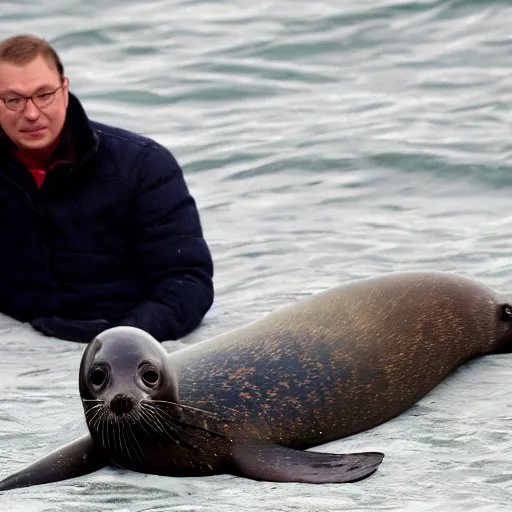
{"type": "Point", "coordinates": [121, 404]}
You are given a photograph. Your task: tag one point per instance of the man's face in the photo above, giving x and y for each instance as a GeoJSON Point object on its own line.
{"type": "Point", "coordinates": [35, 128]}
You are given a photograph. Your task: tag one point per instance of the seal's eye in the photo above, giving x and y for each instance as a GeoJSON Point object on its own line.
{"type": "Point", "coordinates": [98, 377]}
{"type": "Point", "coordinates": [150, 377]}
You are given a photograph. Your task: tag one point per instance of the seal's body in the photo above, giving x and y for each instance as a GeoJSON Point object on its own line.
{"type": "Point", "coordinates": [249, 401]}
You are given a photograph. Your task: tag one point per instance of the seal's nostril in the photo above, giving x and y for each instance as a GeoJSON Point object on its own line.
{"type": "Point", "coordinates": [121, 404]}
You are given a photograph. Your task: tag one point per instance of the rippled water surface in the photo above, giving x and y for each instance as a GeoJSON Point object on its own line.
{"type": "Point", "coordinates": [324, 141]}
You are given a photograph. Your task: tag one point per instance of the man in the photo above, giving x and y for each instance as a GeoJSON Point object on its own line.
{"type": "Point", "coordinates": [97, 226]}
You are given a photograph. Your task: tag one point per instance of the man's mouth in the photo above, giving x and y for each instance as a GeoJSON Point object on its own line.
{"type": "Point", "coordinates": [33, 130]}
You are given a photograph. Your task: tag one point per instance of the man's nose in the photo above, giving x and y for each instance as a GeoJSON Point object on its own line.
{"type": "Point", "coordinates": [31, 111]}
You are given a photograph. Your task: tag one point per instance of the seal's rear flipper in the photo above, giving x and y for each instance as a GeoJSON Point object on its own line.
{"type": "Point", "coordinates": [275, 463]}
{"type": "Point", "coordinates": [78, 458]}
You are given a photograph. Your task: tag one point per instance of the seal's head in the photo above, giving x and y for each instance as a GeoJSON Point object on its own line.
{"type": "Point", "coordinates": [129, 362]}
{"type": "Point", "coordinates": [129, 391]}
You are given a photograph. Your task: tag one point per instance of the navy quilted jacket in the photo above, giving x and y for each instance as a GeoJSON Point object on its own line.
{"type": "Point", "coordinates": [116, 236]}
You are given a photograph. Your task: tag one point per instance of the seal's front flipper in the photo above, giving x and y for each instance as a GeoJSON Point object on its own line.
{"type": "Point", "coordinates": [78, 458]}
{"type": "Point", "coordinates": [275, 463]}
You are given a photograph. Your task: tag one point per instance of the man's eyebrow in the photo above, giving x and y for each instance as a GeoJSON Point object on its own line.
{"type": "Point", "coordinates": [45, 87]}
{"type": "Point", "coordinates": [10, 91]}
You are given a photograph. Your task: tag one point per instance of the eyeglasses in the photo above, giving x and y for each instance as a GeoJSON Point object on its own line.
{"type": "Point", "coordinates": [19, 103]}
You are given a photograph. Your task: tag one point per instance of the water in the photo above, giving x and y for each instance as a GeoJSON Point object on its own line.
{"type": "Point", "coordinates": [324, 141]}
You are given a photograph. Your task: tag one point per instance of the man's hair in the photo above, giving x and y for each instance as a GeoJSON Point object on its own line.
{"type": "Point", "coordinates": [22, 49]}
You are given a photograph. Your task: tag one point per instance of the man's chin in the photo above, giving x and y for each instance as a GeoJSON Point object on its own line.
{"type": "Point", "coordinates": [35, 145]}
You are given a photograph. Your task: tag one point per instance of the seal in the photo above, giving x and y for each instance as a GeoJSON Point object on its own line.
{"type": "Point", "coordinates": [252, 401]}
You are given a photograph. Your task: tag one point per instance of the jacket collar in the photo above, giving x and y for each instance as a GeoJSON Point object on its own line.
{"type": "Point", "coordinates": [84, 139]}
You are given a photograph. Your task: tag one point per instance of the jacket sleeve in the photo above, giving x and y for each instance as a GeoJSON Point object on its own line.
{"type": "Point", "coordinates": [169, 251]}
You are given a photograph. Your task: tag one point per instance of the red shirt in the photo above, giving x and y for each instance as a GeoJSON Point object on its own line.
{"type": "Point", "coordinates": [45, 160]}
